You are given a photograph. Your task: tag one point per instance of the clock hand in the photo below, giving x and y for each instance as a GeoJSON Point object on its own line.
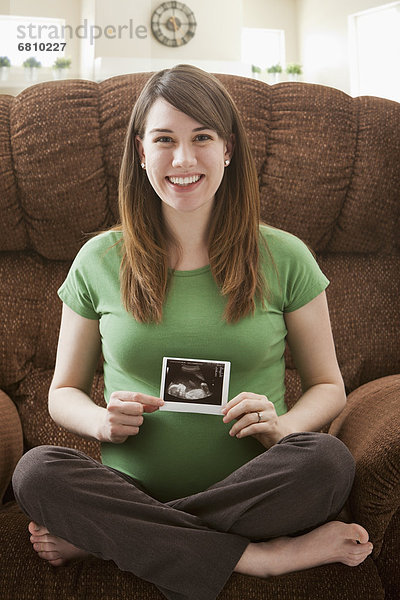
{"type": "Point", "coordinates": [174, 23]}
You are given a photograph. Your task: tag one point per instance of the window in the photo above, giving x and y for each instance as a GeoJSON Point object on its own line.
{"type": "Point", "coordinates": [263, 47]}
{"type": "Point", "coordinates": [375, 52]}
{"type": "Point", "coordinates": [23, 37]}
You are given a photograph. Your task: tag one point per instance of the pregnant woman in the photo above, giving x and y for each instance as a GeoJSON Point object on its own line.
{"type": "Point", "coordinates": [183, 500]}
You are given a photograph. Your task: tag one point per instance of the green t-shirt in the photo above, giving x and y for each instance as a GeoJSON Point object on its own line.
{"type": "Point", "coordinates": [178, 454]}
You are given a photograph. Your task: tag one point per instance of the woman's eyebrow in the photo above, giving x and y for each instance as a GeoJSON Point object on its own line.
{"type": "Point", "coordinates": [158, 130]}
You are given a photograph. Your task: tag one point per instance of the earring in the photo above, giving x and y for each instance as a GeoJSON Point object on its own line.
{"type": "Point", "coordinates": [143, 165]}
{"type": "Point", "coordinates": [226, 162]}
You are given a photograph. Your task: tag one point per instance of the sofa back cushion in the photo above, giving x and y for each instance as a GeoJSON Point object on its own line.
{"type": "Point", "coordinates": [328, 164]}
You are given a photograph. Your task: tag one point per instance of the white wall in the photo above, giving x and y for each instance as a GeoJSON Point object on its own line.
{"type": "Point", "coordinates": [123, 13]}
{"type": "Point", "coordinates": [217, 40]}
{"type": "Point", "coordinates": [323, 39]}
{"type": "Point", "coordinates": [86, 49]}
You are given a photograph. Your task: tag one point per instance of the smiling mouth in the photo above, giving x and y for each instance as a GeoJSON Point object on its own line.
{"type": "Point", "coordinates": [184, 181]}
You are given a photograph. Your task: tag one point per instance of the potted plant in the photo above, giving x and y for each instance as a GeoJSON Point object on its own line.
{"type": "Point", "coordinates": [60, 68]}
{"type": "Point", "coordinates": [31, 67]}
{"type": "Point", "coordinates": [5, 65]}
{"type": "Point", "coordinates": [294, 71]}
{"type": "Point", "coordinates": [256, 71]}
{"type": "Point", "coordinates": [274, 72]}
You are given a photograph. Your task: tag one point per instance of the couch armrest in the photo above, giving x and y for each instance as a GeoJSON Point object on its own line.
{"type": "Point", "coordinates": [11, 441]}
{"type": "Point", "coordinates": [370, 427]}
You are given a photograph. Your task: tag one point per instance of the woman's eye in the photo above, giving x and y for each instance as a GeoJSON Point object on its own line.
{"type": "Point", "coordinates": [164, 139]}
{"type": "Point", "coordinates": [203, 137]}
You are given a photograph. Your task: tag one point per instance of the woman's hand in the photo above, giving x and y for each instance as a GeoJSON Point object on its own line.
{"type": "Point", "coordinates": [124, 415]}
{"type": "Point", "coordinates": [255, 415]}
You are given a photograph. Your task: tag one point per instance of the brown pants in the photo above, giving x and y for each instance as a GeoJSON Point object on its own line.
{"type": "Point", "coordinates": [188, 547]}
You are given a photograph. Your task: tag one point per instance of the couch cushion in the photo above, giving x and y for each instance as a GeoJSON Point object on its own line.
{"type": "Point", "coordinates": [364, 303]}
{"type": "Point", "coordinates": [39, 428]}
{"type": "Point", "coordinates": [327, 163]}
{"type": "Point", "coordinates": [31, 313]}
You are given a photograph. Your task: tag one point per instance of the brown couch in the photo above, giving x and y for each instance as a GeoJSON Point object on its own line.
{"type": "Point", "coordinates": [329, 171]}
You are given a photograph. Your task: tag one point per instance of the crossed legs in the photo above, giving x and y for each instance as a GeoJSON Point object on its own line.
{"type": "Point", "coordinates": [271, 516]}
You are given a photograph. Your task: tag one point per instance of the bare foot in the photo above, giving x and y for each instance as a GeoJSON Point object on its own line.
{"type": "Point", "coordinates": [333, 542]}
{"type": "Point", "coordinates": [51, 548]}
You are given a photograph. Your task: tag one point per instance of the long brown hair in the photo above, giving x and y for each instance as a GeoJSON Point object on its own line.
{"type": "Point", "coordinates": [233, 237]}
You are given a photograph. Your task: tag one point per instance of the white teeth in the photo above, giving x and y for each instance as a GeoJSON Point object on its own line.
{"type": "Point", "coordinates": [184, 180]}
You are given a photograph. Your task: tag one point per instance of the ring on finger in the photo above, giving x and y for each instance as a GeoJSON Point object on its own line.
{"type": "Point", "coordinates": [259, 417]}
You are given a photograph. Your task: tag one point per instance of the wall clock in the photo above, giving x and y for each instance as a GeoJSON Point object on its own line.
{"type": "Point", "coordinates": [173, 24]}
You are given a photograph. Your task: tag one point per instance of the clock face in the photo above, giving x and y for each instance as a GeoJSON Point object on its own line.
{"type": "Point", "coordinates": [173, 24]}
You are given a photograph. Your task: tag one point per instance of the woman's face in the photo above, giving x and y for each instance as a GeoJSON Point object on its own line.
{"type": "Point", "coordinates": [184, 160]}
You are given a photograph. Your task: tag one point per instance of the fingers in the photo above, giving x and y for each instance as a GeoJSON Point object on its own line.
{"type": "Point", "coordinates": [120, 426]}
{"type": "Point", "coordinates": [245, 403]}
{"type": "Point", "coordinates": [244, 426]}
{"type": "Point", "coordinates": [254, 415]}
{"type": "Point", "coordinates": [134, 402]}
{"type": "Point", "coordinates": [245, 409]}
{"type": "Point", "coordinates": [124, 415]}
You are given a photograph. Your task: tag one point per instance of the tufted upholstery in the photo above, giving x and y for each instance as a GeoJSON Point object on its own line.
{"type": "Point", "coordinates": [329, 172]}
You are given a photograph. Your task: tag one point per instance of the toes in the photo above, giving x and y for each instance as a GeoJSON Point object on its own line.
{"type": "Point", "coordinates": [50, 556]}
{"type": "Point", "coordinates": [354, 561]}
{"type": "Point", "coordinates": [357, 554]}
{"type": "Point", "coordinates": [53, 558]}
{"type": "Point", "coordinates": [39, 548]}
{"type": "Point", "coordinates": [32, 527]}
{"type": "Point", "coordinates": [48, 539]}
{"type": "Point", "coordinates": [36, 529]}
{"type": "Point", "coordinates": [59, 562]}
{"type": "Point", "coordinates": [361, 549]}
{"type": "Point", "coordinates": [44, 547]}
{"type": "Point", "coordinates": [358, 533]}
